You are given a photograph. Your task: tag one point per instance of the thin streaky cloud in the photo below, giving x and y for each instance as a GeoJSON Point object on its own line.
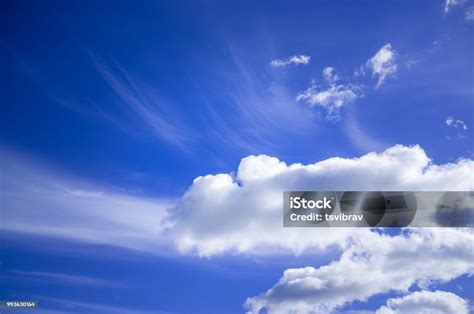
{"type": "Point", "coordinates": [359, 137]}
{"type": "Point", "coordinates": [77, 210]}
{"type": "Point", "coordinates": [74, 306]}
{"type": "Point", "coordinates": [150, 110]}
{"type": "Point", "coordinates": [253, 117]}
{"type": "Point", "coordinates": [64, 279]}
{"type": "Point", "coordinates": [293, 60]}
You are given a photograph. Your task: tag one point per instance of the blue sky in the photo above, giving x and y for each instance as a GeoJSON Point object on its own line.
{"type": "Point", "coordinates": [129, 103]}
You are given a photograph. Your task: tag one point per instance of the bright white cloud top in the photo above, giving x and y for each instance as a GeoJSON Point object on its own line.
{"type": "Point", "coordinates": [293, 60]}
{"type": "Point", "coordinates": [426, 302]}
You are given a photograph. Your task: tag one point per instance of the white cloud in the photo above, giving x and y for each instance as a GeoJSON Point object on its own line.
{"type": "Point", "coordinates": [145, 105]}
{"type": "Point", "coordinates": [330, 75]}
{"type": "Point", "coordinates": [59, 279]}
{"type": "Point", "coordinates": [359, 137]}
{"type": "Point", "coordinates": [382, 64]}
{"type": "Point", "coordinates": [243, 212]}
{"type": "Point", "coordinates": [37, 201]}
{"type": "Point", "coordinates": [52, 305]}
{"type": "Point", "coordinates": [219, 213]}
{"type": "Point", "coordinates": [295, 60]}
{"type": "Point", "coordinates": [458, 124]}
{"type": "Point", "coordinates": [469, 14]}
{"type": "Point", "coordinates": [372, 264]}
{"type": "Point", "coordinates": [426, 302]}
{"type": "Point", "coordinates": [451, 3]}
{"type": "Point", "coordinates": [254, 116]}
{"type": "Point", "coordinates": [332, 97]}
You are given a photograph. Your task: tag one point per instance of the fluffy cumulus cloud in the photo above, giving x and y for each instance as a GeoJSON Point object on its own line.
{"type": "Point", "coordinates": [426, 302]}
{"type": "Point", "coordinates": [331, 96]}
{"type": "Point", "coordinates": [294, 60]}
{"type": "Point", "coordinates": [374, 264]}
{"type": "Point", "coordinates": [382, 64]}
{"type": "Point", "coordinates": [242, 212]}
{"type": "Point", "coordinates": [458, 124]}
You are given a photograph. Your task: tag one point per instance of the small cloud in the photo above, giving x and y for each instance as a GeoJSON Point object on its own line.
{"type": "Point", "coordinates": [426, 302]}
{"type": "Point", "coordinates": [330, 96]}
{"type": "Point", "coordinates": [469, 14]}
{"type": "Point", "coordinates": [451, 3]}
{"type": "Point", "coordinates": [296, 60]}
{"type": "Point", "coordinates": [382, 64]}
{"type": "Point", "coordinates": [329, 75]}
{"type": "Point", "coordinates": [457, 124]}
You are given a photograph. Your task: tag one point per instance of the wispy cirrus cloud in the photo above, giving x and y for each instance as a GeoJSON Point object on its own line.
{"type": "Point", "coordinates": [293, 60]}
{"type": "Point", "coordinates": [254, 114]}
{"type": "Point", "coordinates": [153, 111]}
{"type": "Point", "coordinates": [359, 137]}
{"type": "Point", "coordinates": [60, 279]}
{"type": "Point", "coordinates": [63, 306]}
{"type": "Point", "coordinates": [36, 200]}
